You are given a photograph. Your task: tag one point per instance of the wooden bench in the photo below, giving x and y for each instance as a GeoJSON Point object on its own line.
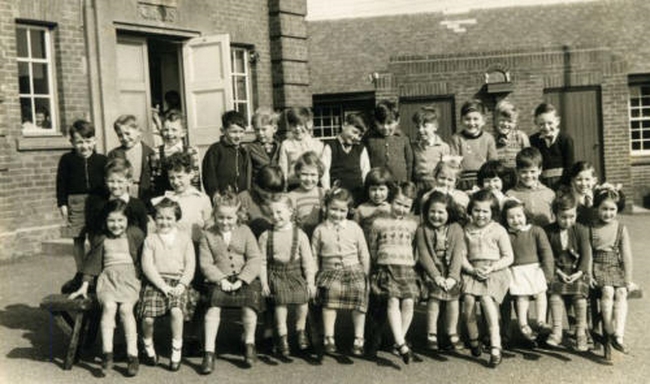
{"type": "Point", "coordinates": [78, 319]}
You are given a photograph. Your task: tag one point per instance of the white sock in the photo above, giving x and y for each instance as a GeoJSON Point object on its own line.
{"type": "Point", "coordinates": [177, 347]}
{"type": "Point", "coordinates": [148, 347]}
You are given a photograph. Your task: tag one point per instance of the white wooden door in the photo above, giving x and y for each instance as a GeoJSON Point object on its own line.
{"type": "Point", "coordinates": [208, 87]}
{"type": "Point", "coordinates": [134, 95]}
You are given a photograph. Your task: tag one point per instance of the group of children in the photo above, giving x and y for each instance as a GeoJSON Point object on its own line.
{"type": "Point", "coordinates": [366, 222]}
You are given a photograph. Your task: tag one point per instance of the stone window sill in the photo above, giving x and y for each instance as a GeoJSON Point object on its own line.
{"type": "Point", "coordinates": [44, 143]}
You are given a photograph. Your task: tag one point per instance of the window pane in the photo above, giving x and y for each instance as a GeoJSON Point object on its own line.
{"type": "Point", "coordinates": [636, 145]}
{"type": "Point", "coordinates": [646, 145]}
{"type": "Point", "coordinates": [40, 78]}
{"type": "Point", "coordinates": [21, 43]}
{"type": "Point", "coordinates": [634, 113]}
{"type": "Point", "coordinates": [243, 109]}
{"type": "Point", "coordinates": [42, 116]}
{"type": "Point", "coordinates": [240, 81]}
{"type": "Point", "coordinates": [238, 65]}
{"type": "Point", "coordinates": [645, 101]}
{"type": "Point", "coordinates": [23, 78]}
{"type": "Point", "coordinates": [38, 43]}
{"type": "Point", "coordinates": [636, 135]}
{"type": "Point", "coordinates": [26, 109]}
{"type": "Point", "coordinates": [646, 135]}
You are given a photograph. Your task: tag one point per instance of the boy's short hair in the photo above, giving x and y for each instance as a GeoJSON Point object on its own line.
{"type": "Point", "coordinates": [298, 116]}
{"type": "Point", "coordinates": [386, 112]}
{"type": "Point", "coordinates": [474, 105]}
{"type": "Point", "coordinates": [545, 108]}
{"type": "Point", "coordinates": [356, 120]}
{"type": "Point", "coordinates": [563, 202]}
{"type": "Point", "coordinates": [166, 202]}
{"type": "Point", "coordinates": [119, 165]}
{"type": "Point", "coordinates": [83, 128]}
{"type": "Point", "coordinates": [426, 115]}
{"type": "Point", "coordinates": [506, 109]}
{"type": "Point", "coordinates": [406, 189]}
{"type": "Point", "coordinates": [529, 157]}
{"type": "Point", "coordinates": [264, 116]}
{"type": "Point", "coordinates": [490, 170]}
{"type": "Point", "coordinates": [178, 162]}
{"type": "Point", "coordinates": [231, 118]}
{"type": "Point", "coordinates": [174, 115]}
{"type": "Point", "coordinates": [129, 120]}
{"type": "Point", "coordinates": [309, 159]}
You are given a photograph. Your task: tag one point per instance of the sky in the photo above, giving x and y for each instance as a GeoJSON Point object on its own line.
{"type": "Point", "coordinates": [339, 9]}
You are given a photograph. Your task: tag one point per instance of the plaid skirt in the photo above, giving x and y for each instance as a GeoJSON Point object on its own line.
{"type": "Point", "coordinates": [495, 286]}
{"type": "Point", "coordinates": [527, 280]}
{"type": "Point", "coordinates": [608, 269]}
{"type": "Point", "coordinates": [343, 288]}
{"type": "Point", "coordinates": [433, 291]}
{"type": "Point", "coordinates": [119, 284]}
{"type": "Point", "coordinates": [287, 284]}
{"type": "Point", "coordinates": [249, 295]}
{"type": "Point", "coordinates": [579, 287]}
{"type": "Point", "coordinates": [76, 215]}
{"type": "Point", "coordinates": [153, 303]}
{"type": "Point", "coordinates": [395, 281]}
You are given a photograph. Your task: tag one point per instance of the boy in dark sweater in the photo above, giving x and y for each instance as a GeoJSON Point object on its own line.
{"type": "Point", "coordinates": [348, 157]}
{"type": "Point", "coordinates": [227, 163]}
{"type": "Point", "coordinates": [265, 149]}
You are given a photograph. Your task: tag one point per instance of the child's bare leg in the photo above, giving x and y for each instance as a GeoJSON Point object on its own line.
{"type": "Point", "coordinates": [147, 335]}
{"type": "Point", "coordinates": [329, 319]}
{"type": "Point", "coordinates": [620, 311]}
{"type": "Point", "coordinates": [249, 318]}
{"type": "Point", "coordinates": [177, 322]}
{"type": "Point", "coordinates": [541, 305]}
{"type": "Point", "coordinates": [557, 312]}
{"type": "Point", "coordinates": [281, 319]}
{"type": "Point", "coordinates": [433, 311]}
{"type": "Point", "coordinates": [407, 316]}
{"type": "Point", "coordinates": [395, 320]}
{"type": "Point", "coordinates": [107, 325]}
{"type": "Point", "coordinates": [469, 312]}
{"type": "Point", "coordinates": [301, 317]}
{"type": "Point", "coordinates": [522, 310]}
{"type": "Point", "coordinates": [212, 319]}
{"type": "Point", "coordinates": [359, 322]}
{"type": "Point", "coordinates": [491, 310]}
{"type": "Point", "coordinates": [606, 308]}
{"type": "Point", "coordinates": [451, 317]}
{"type": "Point", "coordinates": [78, 251]}
{"type": "Point", "coordinates": [130, 328]}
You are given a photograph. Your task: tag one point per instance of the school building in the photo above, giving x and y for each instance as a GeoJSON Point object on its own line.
{"type": "Point", "coordinates": [62, 60]}
{"type": "Point", "coordinates": [590, 59]}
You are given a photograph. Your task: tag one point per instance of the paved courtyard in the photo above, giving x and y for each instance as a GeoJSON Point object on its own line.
{"type": "Point", "coordinates": [28, 340]}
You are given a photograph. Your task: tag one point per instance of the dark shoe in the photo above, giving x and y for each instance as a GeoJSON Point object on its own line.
{"type": "Point", "coordinates": [405, 352]}
{"type": "Point", "coordinates": [283, 346]}
{"type": "Point", "coordinates": [607, 347]}
{"type": "Point", "coordinates": [107, 361]}
{"type": "Point", "coordinates": [329, 346]}
{"type": "Point", "coordinates": [151, 361]}
{"type": "Point", "coordinates": [207, 366]}
{"type": "Point", "coordinates": [357, 347]}
{"type": "Point", "coordinates": [475, 348]}
{"type": "Point", "coordinates": [303, 340]}
{"type": "Point", "coordinates": [528, 333]}
{"type": "Point", "coordinates": [250, 354]}
{"type": "Point", "coordinates": [456, 343]}
{"type": "Point", "coordinates": [618, 345]}
{"type": "Point", "coordinates": [432, 341]}
{"type": "Point", "coordinates": [174, 366]}
{"type": "Point", "coordinates": [133, 367]}
{"type": "Point", "coordinates": [495, 357]}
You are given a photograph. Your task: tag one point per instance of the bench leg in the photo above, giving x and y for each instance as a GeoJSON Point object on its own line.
{"type": "Point", "coordinates": [74, 341]}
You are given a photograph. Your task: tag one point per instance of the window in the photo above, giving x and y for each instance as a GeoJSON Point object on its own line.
{"type": "Point", "coordinates": [241, 81]}
{"type": "Point", "coordinates": [327, 121]}
{"type": "Point", "coordinates": [36, 85]}
{"type": "Point", "coordinates": [640, 119]}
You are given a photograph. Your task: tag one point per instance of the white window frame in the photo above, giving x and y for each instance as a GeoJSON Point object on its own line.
{"type": "Point", "coordinates": [636, 93]}
{"type": "Point", "coordinates": [238, 99]}
{"type": "Point", "coordinates": [331, 112]}
{"type": "Point", "coordinates": [32, 129]}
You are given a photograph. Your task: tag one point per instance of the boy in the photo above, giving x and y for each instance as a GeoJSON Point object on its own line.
{"type": "Point", "coordinates": [387, 145]}
{"type": "Point", "coordinates": [227, 163]}
{"type": "Point", "coordinates": [348, 157]}
{"type": "Point", "coordinates": [428, 149]}
{"type": "Point", "coordinates": [173, 133]}
{"type": "Point", "coordinates": [119, 176]}
{"type": "Point", "coordinates": [509, 139]}
{"type": "Point", "coordinates": [556, 147]}
{"type": "Point", "coordinates": [138, 154]}
{"type": "Point", "coordinates": [79, 174]}
{"type": "Point", "coordinates": [472, 143]}
{"type": "Point", "coordinates": [537, 197]}
{"type": "Point", "coordinates": [265, 149]}
{"type": "Point", "coordinates": [300, 123]}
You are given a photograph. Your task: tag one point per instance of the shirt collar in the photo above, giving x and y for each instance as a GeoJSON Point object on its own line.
{"type": "Point", "coordinates": [526, 228]}
{"type": "Point", "coordinates": [178, 147]}
{"type": "Point", "coordinates": [125, 198]}
{"type": "Point", "coordinates": [343, 224]}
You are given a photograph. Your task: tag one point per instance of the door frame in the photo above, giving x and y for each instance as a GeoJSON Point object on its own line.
{"type": "Point", "coordinates": [433, 98]}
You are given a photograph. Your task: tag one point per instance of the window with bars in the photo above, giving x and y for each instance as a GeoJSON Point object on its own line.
{"type": "Point", "coordinates": [241, 81]}
{"type": "Point", "coordinates": [640, 119]}
{"type": "Point", "coordinates": [36, 83]}
{"type": "Point", "coordinates": [327, 121]}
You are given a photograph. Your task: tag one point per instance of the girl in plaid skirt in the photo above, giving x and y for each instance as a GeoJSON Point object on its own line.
{"type": "Point", "coordinates": [290, 279]}
{"type": "Point", "coordinates": [168, 263]}
{"type": "Point", "coordinates": [612, 264]}
{"type": "Point", "coordinates": [391, 248]}
{"type": "Point", "coordinates": [343, 266]}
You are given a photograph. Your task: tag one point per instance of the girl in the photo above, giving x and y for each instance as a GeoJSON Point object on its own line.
{"type": "Point", "coordinates": [445, 177]}
{"type": "Point", "coordinates": [168, 262]}
{"type": "Point", "coordinates": [378, 189]}
{"type": "Point", "coordinates": [486, 277]}
{"type": "Point", "coordinates": [113, 257]}
{"type": "Point", "coordinates": [231, 261]}
{"type": "Point", "coordinates": [612, 264]}
{"type": "Point", "coordinates": [391, 252]}
{"type": "Point", "coordinates": [343, 266]}
{"type": "Point", "coordinates": [494, 177]}
{"type": "Point", "coordinates": [580, 181]}
{"type": "Point", "coordinates": [290, 277]}
{"type": "Point", "coordinates": [307, 197]}
{"type": "Point", "coordinates": [532, 267]}
{"type": "Point", "coordinates": [441, 249]}
{"type": "Point", "coordinates": [572, 252]}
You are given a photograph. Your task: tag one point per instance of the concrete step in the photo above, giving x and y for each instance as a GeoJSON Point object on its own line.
{"type": "Point", "coordinates": [57, 247]}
